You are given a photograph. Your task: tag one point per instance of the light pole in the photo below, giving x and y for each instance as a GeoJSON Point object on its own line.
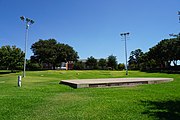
{"type": "Point", "coordinates": [28, 22]}
{"type": "Point", "coordinates": [125, 34]}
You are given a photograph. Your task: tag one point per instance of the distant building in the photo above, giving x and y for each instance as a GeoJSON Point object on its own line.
{"type": "Point", "coordinates": [66, 66]}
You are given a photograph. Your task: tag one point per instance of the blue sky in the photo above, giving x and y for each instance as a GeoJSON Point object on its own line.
{"type": "Point", "coordinates": [92, 27]}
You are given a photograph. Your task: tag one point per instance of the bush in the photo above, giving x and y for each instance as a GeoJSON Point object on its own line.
{"type": "Point", "coordinates": [121, 66]}
{"type": "Point", "coordinates": [33, 66]}
{"type": "Point", "coordinates": [78, 66]}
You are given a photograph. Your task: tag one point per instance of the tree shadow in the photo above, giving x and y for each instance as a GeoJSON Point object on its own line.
{"type": "Point", "coordinates": [5, 72]}
{"type": "Point", "coordinates": [162, 71]}
{"type": "Point", "coordinates": [9, 72]}
{"type": "Point", "coordinates": [163, 110]}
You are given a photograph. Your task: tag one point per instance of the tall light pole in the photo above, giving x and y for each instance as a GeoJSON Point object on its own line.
{"type": "Point", "coordinates": [125, 35]}
{"type": "Point", "coordinates": [28, 22]}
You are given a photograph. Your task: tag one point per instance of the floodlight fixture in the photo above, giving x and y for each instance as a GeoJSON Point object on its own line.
{"type": "Point", "coordinates": [32, 21]}
{"type": "Point", "coordinates": [22, 18]}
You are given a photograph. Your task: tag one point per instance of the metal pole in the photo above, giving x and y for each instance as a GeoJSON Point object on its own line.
{"type": "Point", "coordinates": [27, 24]}
{"type": "Point", "coordinates": [25, 50]}
{"type": "Point", "coordinates": [126, 54]}
{"type": "Point", "coordinates": [125, 34]}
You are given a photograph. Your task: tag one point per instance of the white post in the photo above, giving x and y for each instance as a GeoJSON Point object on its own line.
{"type": "Point", "coordinates": [19, 81]}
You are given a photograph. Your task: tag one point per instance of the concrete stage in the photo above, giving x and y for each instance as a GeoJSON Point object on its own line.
{"type": "Point", "coordinates": [113, 82]}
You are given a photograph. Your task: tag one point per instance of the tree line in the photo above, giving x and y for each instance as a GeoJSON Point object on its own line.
{"type": "Point", "coordinates": [163, 56]}
{"type": "Point", "coordinates": [91, 63]}
{"type": "Point", "coordinates": [49, 54]}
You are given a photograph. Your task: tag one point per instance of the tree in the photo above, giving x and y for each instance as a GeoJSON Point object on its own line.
{"type": "Point", "coordinates": [174, 50]}
{"type": "Point", "coordinates": [135, 59]}
{"type": "Point", "coordinates": [31, 65]}
{"type": "Point", "coordinates": [65, 53]}
{"type": "Point", "coordinates": [121, 66]}
{"type": "Point", "coordinates": [112, 62]}
{"type": "Point", "coordinates": [165, 52]}
{"type": "Point", "coordinates": [78, 65]}
{"type": "Point", "coordinates": [161, 55]}
{"type": "Point", "coordinates": [11, 57]}
{"type": "Point", "coordinates": [91, 63]}
{"type": "Point", "coordinates": [102, 63]}
{"type": "Point", "coordinates": [44, 51]}
{"type": "Point", "coordinates": [51, 53]}
{"type": "Point", "coordinates": [146, 62]}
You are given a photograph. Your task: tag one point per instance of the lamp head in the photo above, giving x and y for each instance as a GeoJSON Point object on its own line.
{"type": "Point", "coordinates": [22, 18]}
{"type": "Point", "coordinates": [28, 20]}
{"type": "Point", "coordinates": [31, 21]}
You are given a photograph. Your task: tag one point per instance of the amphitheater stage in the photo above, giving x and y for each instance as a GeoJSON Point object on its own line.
{"type": "Point", "coordinates": [113, 82]}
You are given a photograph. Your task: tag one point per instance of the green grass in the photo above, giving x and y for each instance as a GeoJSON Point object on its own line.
{"type": "Point", "coordinates": [41, 97]}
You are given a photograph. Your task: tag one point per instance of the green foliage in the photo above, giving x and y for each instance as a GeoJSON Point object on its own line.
{"type": "Point", "coordinates": [158, 57]}
{"type": "Point", "coordinates": [112, 62]}
{"type": "Point", "coordinates": [51, 53]}
{"type": "Point", "coordinates": [165, 52]}
{"type": "Point", "coordinates": [41, 97]}
{"type": "Point", "coordinates": [78, 65]}
{"type": "Point", "coordinates": [135, 59]}
{"type": "Point", "coordinates": [91, 63]}
{"type": "Point", "coordinates": [32, 65]}
{"type": "Point", "coordinates": [121, 66]}
{"type": "Point", "coordinates": [44, 51]}
{"type": "Point", "coordinates": [11, 58]}
{"type": "Point", "coordinates": [102, 63]}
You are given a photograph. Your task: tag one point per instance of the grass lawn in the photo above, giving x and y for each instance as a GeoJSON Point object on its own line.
{"type": "Point", "coordinates": [41, 97]}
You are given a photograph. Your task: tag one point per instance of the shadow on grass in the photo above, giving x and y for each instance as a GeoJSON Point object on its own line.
{"type": "Point", "coordinates": [162, 71]}
{"type": "Point", "coordinates": [5, 72]}
{"type": "Point", "coordinates": [163, 110]}
{"type": "Point", "coordinates": [170, 70]}
{"type": "Point", "coordinates": [9, 72]}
